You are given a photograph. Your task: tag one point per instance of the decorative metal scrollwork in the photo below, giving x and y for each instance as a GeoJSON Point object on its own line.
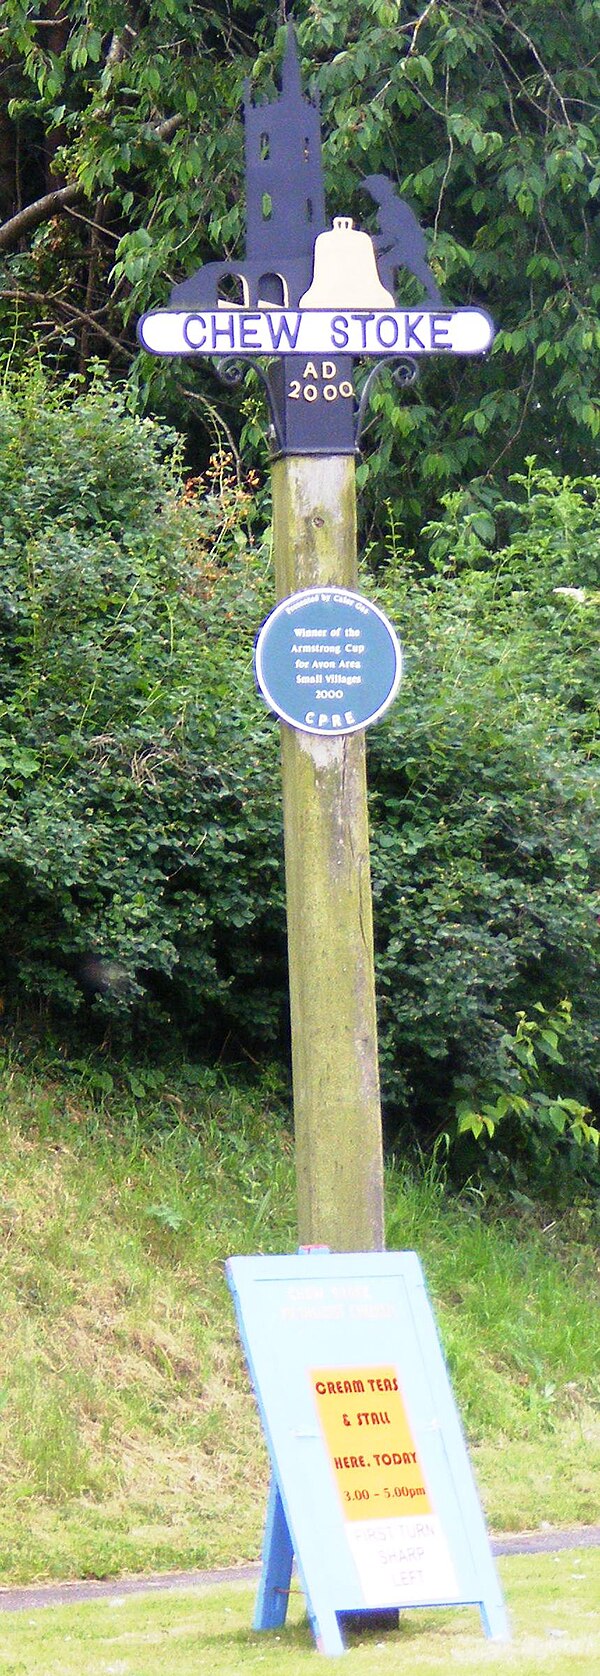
{"type": "Point", "coordinates": [406, 373]}
{"type": "Point", "coordinates": [231, 370]}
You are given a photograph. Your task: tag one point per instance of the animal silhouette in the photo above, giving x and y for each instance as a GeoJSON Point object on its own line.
{"type": "Point", "coordinates": [400, 241]}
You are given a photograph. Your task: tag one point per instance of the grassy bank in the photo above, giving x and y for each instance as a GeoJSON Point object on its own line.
{"type": "Point", "coordinates": [129, 1438]}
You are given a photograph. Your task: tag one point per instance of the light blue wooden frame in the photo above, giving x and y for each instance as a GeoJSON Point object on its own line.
{"type": "Point", "coordinates": [301, 1312]}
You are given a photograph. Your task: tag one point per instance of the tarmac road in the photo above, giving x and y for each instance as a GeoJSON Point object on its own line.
{"type": "Point", "coordinates": [70, 1594]}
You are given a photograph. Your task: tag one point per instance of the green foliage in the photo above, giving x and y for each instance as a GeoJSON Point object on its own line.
{"type": "Point", "coordinates": [485, 800]}
{"type": "Point", "coordinates": [486, 116]}
{"type": "Point", "coordinates": [128, 1432]}
{"type": "Point", "coordinates": [527, 1105]}
{"type": "Point", "coordinates": [137, 854]}
{"type": "Point", "coordinates": [141, 867]}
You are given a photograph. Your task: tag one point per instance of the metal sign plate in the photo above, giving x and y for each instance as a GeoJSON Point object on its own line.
{"type": "Point", "coordinates": [372, 332]}
{"type": "Point", "coordinates": [327, 661]}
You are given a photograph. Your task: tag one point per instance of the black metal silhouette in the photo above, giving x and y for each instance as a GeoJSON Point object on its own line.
{"type": "Point", "coordinates": [285, 204]}
{"type": "Point", "coordinates": [296, 429]}
{"type": "Point", "coordinates": [400, 242]}
{"type": "Point", "coordinates": [312, 410]}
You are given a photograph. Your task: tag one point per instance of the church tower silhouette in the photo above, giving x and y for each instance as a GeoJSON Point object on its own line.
{"type": "Point", "coordinates": [285, 205]}
{"type": "Point", "coordinates": [284, 178]}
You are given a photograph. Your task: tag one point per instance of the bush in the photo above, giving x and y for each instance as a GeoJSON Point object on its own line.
{"type": "Point", "coordinates": [139, 857]}
{"type": "Point", "coordinates": [140, 849]}
{"type": "Point", "coordinates": [485, 801]}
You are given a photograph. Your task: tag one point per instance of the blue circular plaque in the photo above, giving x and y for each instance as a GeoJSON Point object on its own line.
{"type": "Point", "coordinates": [327, 661]}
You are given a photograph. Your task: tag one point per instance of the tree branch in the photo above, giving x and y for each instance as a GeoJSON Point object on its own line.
{"type": "Point", "coordinates": [76, 314]}
{"type": "Point", "coordinates": [41, 210]}
{"type": "Point", "coordinates": [91, 280]}
{"type": "Point", "coordinates": [417, 26]}
{"type": "Point", "coordinates": [512, 24]}
{"type": "Point", "coordinates": [54, 202]}
{"type": "Point", "coordinates": [118, 46]}
{"type": "Point", "coordinates": [164, 130]}
{"type": "Point", "coordinates": [446, 175]}
{"type": "Point", "coordinates": [219, 422]}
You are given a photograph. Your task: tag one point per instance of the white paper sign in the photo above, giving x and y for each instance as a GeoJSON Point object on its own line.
{"type": "Point", "coordinates": [404, 1560]}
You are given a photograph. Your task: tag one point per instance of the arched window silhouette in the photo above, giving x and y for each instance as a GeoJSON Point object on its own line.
{"type": "Point", "coordinates": [273, 291]}
{"type": "Point", "coordinates": [232, 291]}
{"type": "Point", "coordinates": [264, 148]}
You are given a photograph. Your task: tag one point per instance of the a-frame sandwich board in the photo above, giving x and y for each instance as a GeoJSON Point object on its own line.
{"type": "Point", "coordinates": [372, 1489]}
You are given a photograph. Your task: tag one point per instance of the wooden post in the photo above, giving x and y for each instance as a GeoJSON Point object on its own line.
{"type": "Point", "coordinates": [337, 1110]}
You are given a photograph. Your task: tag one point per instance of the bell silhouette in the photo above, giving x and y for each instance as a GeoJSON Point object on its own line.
{"type": "Point", "coordinates": [345, 271]}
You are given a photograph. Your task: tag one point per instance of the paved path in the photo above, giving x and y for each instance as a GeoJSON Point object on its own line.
{"type": "Point", "coordinates": [66, 1594]}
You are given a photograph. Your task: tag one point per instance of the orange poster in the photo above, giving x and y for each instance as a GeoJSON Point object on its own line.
{"type": "Point", "coordinates": [393, 1530]}
{"type": "Point", "coordinates": [370, 1444]}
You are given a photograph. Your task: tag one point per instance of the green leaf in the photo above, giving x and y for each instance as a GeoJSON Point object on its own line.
{"type": "Point", "coordinates": [167, 1216]}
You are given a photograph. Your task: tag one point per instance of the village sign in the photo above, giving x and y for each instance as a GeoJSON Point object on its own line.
{"type": "Point", "coordinates": [313, 297]}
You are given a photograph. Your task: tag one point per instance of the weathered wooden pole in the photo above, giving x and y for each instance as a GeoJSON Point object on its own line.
{"type": "Point", "coordinates": [337, 1112]}
{"type": "Point", "coordinates": [309, 301]}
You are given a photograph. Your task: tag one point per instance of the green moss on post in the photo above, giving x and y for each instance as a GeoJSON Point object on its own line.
{"type": "Point", "coordinates": [330, 931]}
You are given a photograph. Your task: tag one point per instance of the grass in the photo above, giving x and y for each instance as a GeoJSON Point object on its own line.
{"type": "Point", "coordinates": [553, 1602]}
{"type": "Point", "coordinates": [129, 1439]}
